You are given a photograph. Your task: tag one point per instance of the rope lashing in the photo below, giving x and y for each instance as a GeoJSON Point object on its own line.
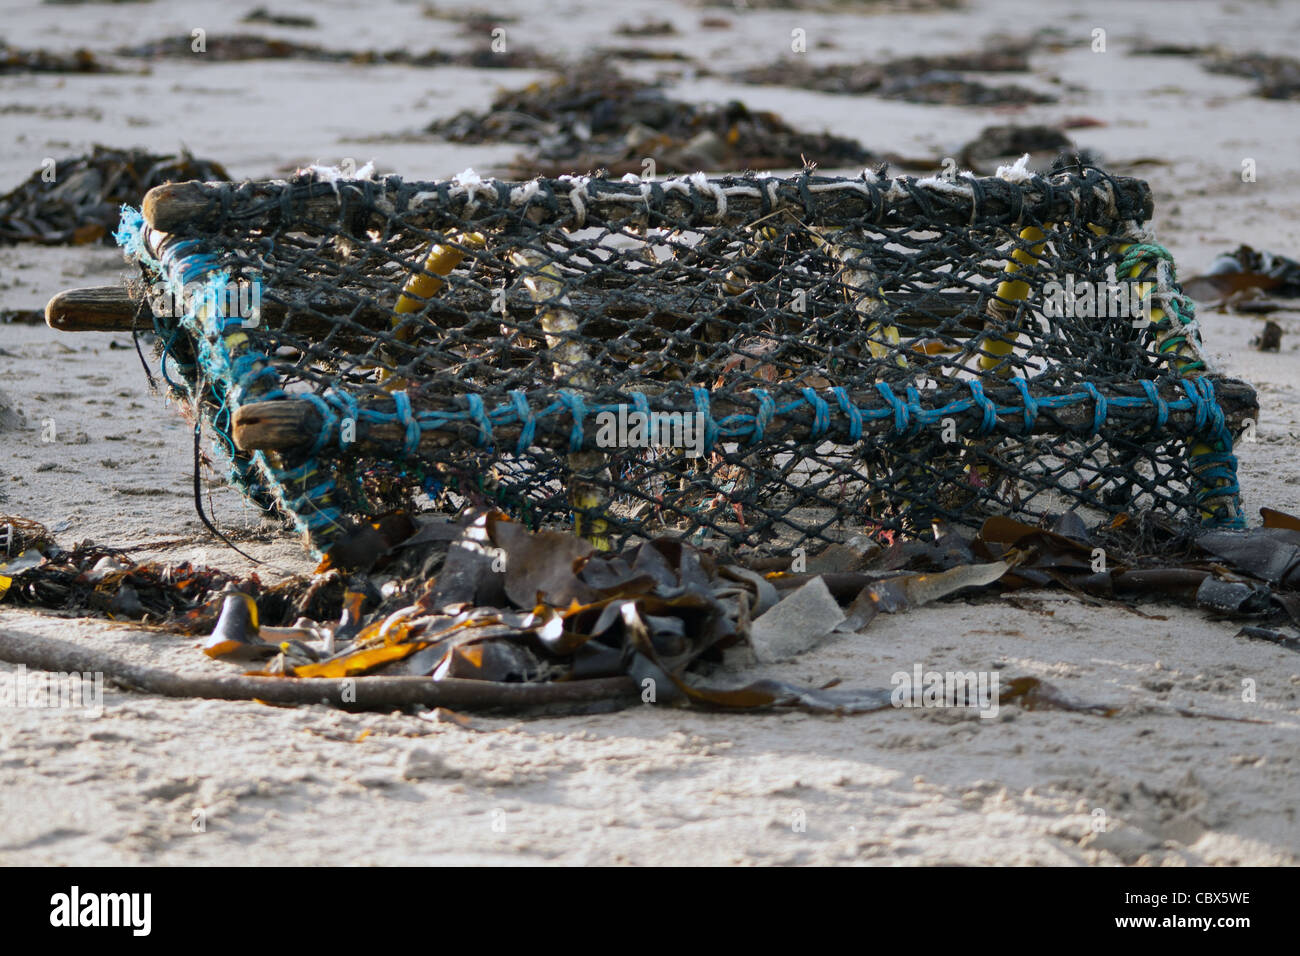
{"type": "Point", "coordinates": [821, 412]}
{"type": "Point", "coordinates": [763, 418]}
{"type": "Point", "coordinates": [908, 416]}
{"type": "Point", "coordinates": [1099, 407]}
{"type": "Point", "coordinates": [527, 421]}
{"type": "Point", "coordinates": [1031, 406]}
{"type": "Point", "coordinates": [702, 409]}
{"type": "Point", "coordinates": [480, 418]}
{"type": "Point", "coordinates": [902, 415]}
{"type": "Point", "coordinates": [1159, 404]}
{"type": "Point", "coordinates": [990, 419]}
{"type": "Point", "coordinates": [408, 421]}
{"type": "Point", "coordinates": [577, 409]}
{"type": "Point", "coordinates": [846, 405]}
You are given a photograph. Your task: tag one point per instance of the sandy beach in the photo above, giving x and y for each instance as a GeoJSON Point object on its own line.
{"type": "Point", "coordinates": [153, 781]}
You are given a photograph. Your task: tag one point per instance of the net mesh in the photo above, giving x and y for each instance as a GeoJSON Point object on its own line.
{"type": "Point", "coordinates": [755, 360]}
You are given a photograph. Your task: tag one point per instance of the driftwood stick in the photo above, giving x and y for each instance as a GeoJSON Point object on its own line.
{"type": "Point", "coordinates": [101, 309]}
{"type": "Point", "coordinates": [358, 693]}
{"type": "Point", "coordinates": [285, 424]}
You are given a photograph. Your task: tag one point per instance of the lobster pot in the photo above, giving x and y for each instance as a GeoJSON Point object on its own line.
{"type": "Point", "coordinates": [750, 360]}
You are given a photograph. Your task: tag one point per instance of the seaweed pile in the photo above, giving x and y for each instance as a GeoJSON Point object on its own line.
{"type": "Point", "coordinates": [1247, 273]}
{"type": "Point", "coordinates": [1003, 144]}
{"type": "Point", "coordinates": [17, 60]}
{"type": "Point", "coordinates": [485, 600]}
{"type": "Point", "coordinates": [915, 79]}
{"type": "Point", "coordinates": [592, 117]}
{"type": "Point", "coordinates": [80, 200]}
{"type": "Point", "coordinates": [1276, 77]}
{"type": "Point", "coordinates": [239, 47]}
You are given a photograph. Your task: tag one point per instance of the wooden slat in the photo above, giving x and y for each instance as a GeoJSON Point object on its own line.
{"type": "Point", "coordinates": [286, 424]}
{"type": "Point", "coordinates": [101, 309]}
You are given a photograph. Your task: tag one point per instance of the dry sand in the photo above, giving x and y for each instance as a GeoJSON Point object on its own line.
{"type": "Point", "coordinates": [646, 785]}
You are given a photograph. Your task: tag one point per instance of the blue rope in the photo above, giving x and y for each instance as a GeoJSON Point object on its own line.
{"type": "Point", "coordinates": [702, 408]}
{"type": "Point", "coordinates": [329, 421]}
{"type": "Point", "coordinates": [763, 418]}
{"type": "Point", "coordinates": [479, 417]}
{"type": "Point", "coordinates": [1099, 407]}
{"type": "Point", "coordinates": [914, 409]}
{"type": "Point", "coordinates": [1031, 406]}
{"type": "Point", "coordinates": [578, 411]}
{"type": "Point", "coordinates": [1158, 403]}
{"type": "Point", "coordinates": [821, 411]}
{"type": "Point", "coordinates": [902, 417]}
{"type": "Point", "coordinates": [402, 409]}
{"type": "Point", "coordinates": [846, 405]}
{"type": "Point", "coordinates": [990, 420]}
{"type": "Point", "coordinates": [1194, 394]}
{"type": "Point", "coordinates": [527, 421]}
{"type": "Point", "coordinates": [641, 404]}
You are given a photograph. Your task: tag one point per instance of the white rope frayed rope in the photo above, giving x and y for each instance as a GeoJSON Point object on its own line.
{"type": "Point", "coordinates": [470, 184]}
{"type": "Point", "coordinates": [1017, 172]}
{"type": "Point", "coordinates": [578, 196]}
{"type": "Point", "coordinates": [522, 195]}
{"type": "Point", "coordinates": [719, 194]}
{"type": "Point", "coordinates": [582, 197]}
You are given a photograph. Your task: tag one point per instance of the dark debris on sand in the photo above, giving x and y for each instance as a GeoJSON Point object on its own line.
{"type": "Point", "coordinates": [84, 201]}
{"type": "Point", "coordinates": [16, 60]}
{"type": "Point", "coordinates": [1276, 77]}
{"type": "Point", "coordinates": [842, 6]}
{"type": "Point", "coordinates": [236, 47]}
{"type": "Point", "coordinates": [263, 15]}
{"type": "Point", "coordinates": [915, 79]}
{"type": "Point", "coordinates": [485, 599]}
{"type": "Point", "coordinates": [996, 145]}
{"type": "Point", "coordinates": [593, 118]}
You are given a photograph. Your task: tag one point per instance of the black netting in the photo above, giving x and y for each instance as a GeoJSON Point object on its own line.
{"type": "Point", "coordinates": [821, 356]}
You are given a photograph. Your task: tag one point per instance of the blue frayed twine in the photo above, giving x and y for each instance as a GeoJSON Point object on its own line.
{"type": "Point", "coordinates": [527, 421]}
{"type": "Point", "coordinates": [1159, 404]}
{"type": "Point", "coordinates": [763, 417]}
{"type": "Point", "coordinates": [914, 408]}
{"type": "Point", "coordinates": [480, 418]}
{"type": "Point", "coordinates": [902, 418]}
{"type": "Point", "coordinates": [402, 408]}
{"type": "Point", "coordinates": [821, 411]}
{"type": "Point", "coordinates": [1031, 406]}
{"type": "Point", "coordinates": [1099, 408]}
{"type": "Point", "coordinates": [1198, 403]}
{"type": "Point", "coordinates": [702, 409]}
{"type": "Point", "coordinates": [328, 422]}
{"type": "Point", "coordinates": [578, 412]}
{"type": "Point", "coordinates": [982, 402]}
{"type": "Point", "coordinates": [855, 414]}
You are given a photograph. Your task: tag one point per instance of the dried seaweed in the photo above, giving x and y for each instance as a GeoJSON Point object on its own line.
{"type": "Point", "coordinates": [997, 145]}
{"type": "Point", "coordinates": [17, 60]}
{"type": "Point", "coordinates": [262, 15]}
{"type": "Point", "coordinates": [916, 79]}
{"type": "Point", "coordinates": [592, 118]}
{"type": "Point", "coordinates": [1276, 77]}
{"type": "Point", "coordinates": [80, 200]}
{"type": "Point", "coordinates": [239, 47]}
{"type": "Point", "coordinates": [487, 602]}
{"type": "Point", "coordinates": [1244, 272]}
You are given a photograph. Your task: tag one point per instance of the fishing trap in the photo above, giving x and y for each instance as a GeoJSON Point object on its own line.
{"type": "Point", "coordinates": [754, 361]}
